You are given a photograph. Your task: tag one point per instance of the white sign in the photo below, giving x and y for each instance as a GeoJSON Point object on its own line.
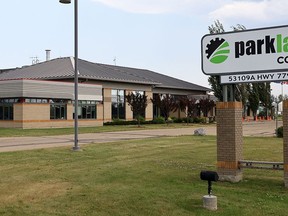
{"type": "Point", "coordinates": [251, 51]}
{"type": "Point", "coordinates": [257, 77]}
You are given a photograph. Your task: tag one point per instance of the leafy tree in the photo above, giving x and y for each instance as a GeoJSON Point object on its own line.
{"type": "Point", "coordinates": [264, 90]}
{"type": "Point", "coordinates": [138, 104]}
{"type": "Point", "coordinates": [282, 97]}
{"type": "Point", "coordinates": [238, 27]}
{"type": "Point", "coordinates": [166, 103]}
{"type": "Point", "coordinates": [253, 98]}
{"type": "Point", "coordinates": [242, 94]}
{"type": "Point", "coordinates": [206, 105]}
{"type": "Point", "coordinates": [216, 86]}
{"type": "Point", "coordinates": [216, 28]}
{"type": "Point", "coordinates": [192, 107]}
{"type": "Point", "coordinates": [188, 106]}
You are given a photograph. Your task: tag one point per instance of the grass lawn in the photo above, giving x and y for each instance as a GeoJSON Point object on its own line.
{"type": "Point", "coordinates": [16, 132]}
{"type": "Point", "coordinates": [144, 177]}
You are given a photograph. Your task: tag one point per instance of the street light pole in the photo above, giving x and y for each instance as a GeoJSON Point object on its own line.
{"type": "Point", "coordinates": [76, 146]}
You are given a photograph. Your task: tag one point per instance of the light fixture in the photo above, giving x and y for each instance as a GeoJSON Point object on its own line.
{"type": "Point", "coordinates": [65, 1]}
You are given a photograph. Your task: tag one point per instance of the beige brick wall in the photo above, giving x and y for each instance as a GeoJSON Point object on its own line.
{"type": "Point", "coordinates": [38, 116]}
{"type": "Point", "coordinates": [229, 140]}
{"type": "Point", "coordinates": [100, 110]}
{"type": "Point", "coordinates": [31, 111]}
{"type": "Point", "coordinates": [70, 111]}
{"type": "Point", "coordinates": [285, 141]}
{"type": "Point", "coordinates": [107, 104]}
{"type": "Point", "coordinates": [128, 111]}
{"type": "Point", "coordinates": [149, 108]}
{"type": "Point", "coordinates": [18, 111]}
{"type": "Point", "coordinates": [178, 114]}
{"type": "Point", "coordinates": [10, 124]}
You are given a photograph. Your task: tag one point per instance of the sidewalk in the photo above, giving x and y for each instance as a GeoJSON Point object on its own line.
{"type": "Point", "coordinates": [259, 129]}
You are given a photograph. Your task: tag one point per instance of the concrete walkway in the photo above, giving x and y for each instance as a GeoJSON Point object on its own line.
{"type": "Point", "coordinates": [259, 129]}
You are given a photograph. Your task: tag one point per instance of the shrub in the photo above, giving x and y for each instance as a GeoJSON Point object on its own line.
{"type": "Point", "coordinates": [121, 122]}
{"type": "Point", "coordinates": [142, 119]}
{"type": "Point", "coordinates": [169, 120]}
{"type": "Point", "coordinates": [199, 120]}
{"type": "Point", "coordinates": [177, 120]}
{"type": "Point", "coordinates": [212, 119]}
{"type": "Point", "coordinates": [279, 132]}
{"type": "Point", "coordinates": [159, 120]}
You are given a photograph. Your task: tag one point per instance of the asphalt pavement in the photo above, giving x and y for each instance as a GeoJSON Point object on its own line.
{"type": "Point", "coordinates": [259, 129]}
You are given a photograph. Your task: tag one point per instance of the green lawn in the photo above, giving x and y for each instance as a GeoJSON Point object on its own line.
{"type": "Point", "coordinates": [144, 177]}
{"type": "Point", "coordinates": [12, 132]}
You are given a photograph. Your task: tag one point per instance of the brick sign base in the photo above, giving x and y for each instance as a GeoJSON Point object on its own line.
{"type": "Point", "coordinates": [229, 140]}
{"type": "Point", "coordinates": [285, 141]}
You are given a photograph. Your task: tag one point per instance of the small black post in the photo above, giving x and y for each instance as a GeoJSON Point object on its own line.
{"type": "Point", "coordinates": [209, 187]}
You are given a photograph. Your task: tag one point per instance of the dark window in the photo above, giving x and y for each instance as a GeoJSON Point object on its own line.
{"type": "Point", "coordinates": [58, 109]}
{"type": "Point", "coordinates": [156, 110]}
{"type": "Point", "coordinates": [118, 104]}
{"type": "Point", "coordinates": [6, 111]}
{"type": "Point", "coordinates": [1, 112]}
{"type": "Point", "coordinates": [87, 110]}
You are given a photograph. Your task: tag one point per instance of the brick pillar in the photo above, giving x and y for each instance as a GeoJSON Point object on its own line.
{"type": "Point", "coordinates": [128, 111]}
{"type": "Point", "coordinates": [229, 140]}
{"type": "Point", "coordinates": [107, 102]}
{"type": "Point", "coordinates": [149, 108]}
{"type": "Point", "coordinates": [285, 141]}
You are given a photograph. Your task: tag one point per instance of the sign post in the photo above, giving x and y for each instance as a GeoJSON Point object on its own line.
{"type": "Point", "coordinates": [259, 55]}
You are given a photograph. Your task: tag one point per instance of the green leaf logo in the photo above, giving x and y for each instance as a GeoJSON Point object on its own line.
{"type": "Point", "coordinates": [217, 51]}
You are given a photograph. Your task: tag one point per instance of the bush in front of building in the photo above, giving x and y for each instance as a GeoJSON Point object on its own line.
{"type": "Point", "coordinates": [121, 122]}
{"type": "Point", "coordinates": [198, 120]}
{"type": "Point", "coordinates": [159, 120]}
{"type": "Point", "coordinates": [133, 122]}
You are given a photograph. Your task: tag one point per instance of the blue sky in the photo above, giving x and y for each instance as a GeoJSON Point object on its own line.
{"type": "Point", "coordinates": [160, 35]}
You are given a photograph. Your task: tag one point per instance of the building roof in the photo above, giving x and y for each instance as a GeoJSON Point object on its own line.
{"type": "Point", "coordinates": [63, 68]}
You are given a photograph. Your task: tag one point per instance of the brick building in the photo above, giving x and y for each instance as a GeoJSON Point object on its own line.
{"type": "Point", "coordinates": [41, 95]}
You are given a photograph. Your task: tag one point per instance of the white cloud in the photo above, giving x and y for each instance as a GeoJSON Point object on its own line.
{"type": "Point", "coordinates": [231, 11]}
{"type": "Point", "coordinates": [158, 6]}
{"type": "Point", "coordinates": [140, 6]}
{"type": "Point", "coordinates": [265, 11]}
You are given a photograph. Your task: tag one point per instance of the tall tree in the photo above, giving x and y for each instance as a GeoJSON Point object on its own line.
{"type": "Point", "coordinates": [138, 104]}
{"type": "Point", "coordinates": [216, 28]}
{"type": "Point", "coordinates": [253, 98]}
{"type": "Point", "coordinates": [242, 94]}
{"type": "Point", "coordinates": [206, 105]}
{"type": "Point", "coordinates": [166, 103]}
{"type": "Point", "coordinates": [265, 96]}
{"type": "Point", "coordinates": [188, 106]}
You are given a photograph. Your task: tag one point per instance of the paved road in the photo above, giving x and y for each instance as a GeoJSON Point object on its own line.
{"type": "Point", "coordinates": [27, 143]}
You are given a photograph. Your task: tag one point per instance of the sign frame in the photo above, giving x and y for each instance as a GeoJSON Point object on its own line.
{"type": "Point", "coordinates": [258, 56]}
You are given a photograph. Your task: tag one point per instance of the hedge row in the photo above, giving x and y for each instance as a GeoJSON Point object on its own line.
{"type": "Point", "coordinates": [158, 120]}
